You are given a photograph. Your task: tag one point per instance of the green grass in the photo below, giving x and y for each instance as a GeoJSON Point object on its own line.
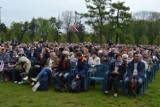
{"type": "Point", "coordinates": [13, 95]}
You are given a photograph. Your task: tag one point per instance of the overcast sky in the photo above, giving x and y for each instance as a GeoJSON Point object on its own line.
{"type": "Point", "coordinates": [22, 10]}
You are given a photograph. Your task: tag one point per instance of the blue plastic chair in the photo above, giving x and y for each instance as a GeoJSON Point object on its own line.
{"type": "Point", "coordinates": [99, 73]}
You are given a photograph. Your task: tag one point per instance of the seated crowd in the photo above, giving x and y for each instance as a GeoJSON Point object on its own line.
{"type": "Point", "coordinates": [62, 63]}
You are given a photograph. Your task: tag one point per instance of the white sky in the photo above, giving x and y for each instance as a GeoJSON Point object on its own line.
{"type": "Point", "coordinates": [22, 10]}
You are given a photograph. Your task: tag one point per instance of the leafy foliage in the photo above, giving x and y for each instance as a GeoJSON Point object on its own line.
{"type": "Point", "coordinates": [143, 40]}
{"type": "Point", "coordinates": [26, 38]}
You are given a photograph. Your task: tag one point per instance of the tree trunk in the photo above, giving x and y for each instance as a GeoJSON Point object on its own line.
{"type": "Point", "coordinates": [117, 38]}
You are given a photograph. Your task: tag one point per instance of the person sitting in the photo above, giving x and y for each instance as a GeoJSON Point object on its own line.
{"type": "Point", "coordinates": [135, 73]}
{"type": "Point", "coordinates": [37, 66]}
{"type": "Point", "coordinates": [8, 71]}
{"type": "Point", "coordinates": [116, 71]}
{"type": "Point", "coordinates": [4, 58]}
{"type": "Point", "coordinates": [148, 59]}
{"type": "Point", "coordinates": [42, 78]}
{"type": "Point", "coordinates": [21, 70]}
{"type": "Point", "coordinates": [81, 69]}
{"type": "Point", "coordinates": [21, 52]}
{"type": "Point", "coordinates": [45, 72]}
{"type": "Point", "coordinates": [53, 60]}
{"type": "Point", "coordinates": [105, 58]}
{"type": "Point", "coordinates": [62, 72]}
{"type": "Point", "coordinates": [32, 55]}
{"type": "Point", "coordinates": [94, 59]}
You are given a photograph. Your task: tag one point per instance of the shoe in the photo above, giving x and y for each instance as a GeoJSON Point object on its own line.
{"type": "Point", "coordinates": [15, 82]}
{"type": "Point", "coordinates": [25, 78]}
{"type": "Point", "coordinates": [32, 84]}
{"type": "Point", "coordinates": [35, 87]}
{"type": "Point", "coordinates": [115, 95]}
{"type": "Point", "coordinates": [106, 92]}
{"type": "Point", "coordinates": [20, 82]}
{"type": "Point", "coordinates": [34, 79]}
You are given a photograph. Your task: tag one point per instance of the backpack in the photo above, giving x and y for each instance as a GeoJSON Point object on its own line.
{"type": "Point", "coordinates": [43, 84]}
{"type": "Point", "coordinates": [75, 86]}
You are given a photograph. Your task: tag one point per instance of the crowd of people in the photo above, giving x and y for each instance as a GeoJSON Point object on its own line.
{"type": "Point", "coordinates": [65, 62]}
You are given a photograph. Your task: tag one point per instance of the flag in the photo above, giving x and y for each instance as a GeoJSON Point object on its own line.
{"type": "Point", "coordinates": [74, 28]}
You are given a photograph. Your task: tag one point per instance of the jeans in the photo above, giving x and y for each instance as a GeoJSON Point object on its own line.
{"type": "Point", "coordinates": [138, 86]}
{"type": "Point", "coordinates": [61, 80]}
{"type": "Point", "coordinates": [46, 71]}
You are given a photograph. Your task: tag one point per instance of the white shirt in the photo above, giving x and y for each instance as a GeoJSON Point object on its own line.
{"type": "Point", "coordinates": [135, 72]}
{"type": "Point", "coordinates": [73, 58]}
{"type": "Point", "coordinates": [95, 61]}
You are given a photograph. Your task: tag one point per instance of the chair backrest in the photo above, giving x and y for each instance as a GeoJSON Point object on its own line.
{"type": "Point", "coordinates": [101, 70]}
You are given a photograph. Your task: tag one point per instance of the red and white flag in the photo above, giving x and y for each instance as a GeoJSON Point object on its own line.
{"type": "Point", "coordinates": [74, 28]}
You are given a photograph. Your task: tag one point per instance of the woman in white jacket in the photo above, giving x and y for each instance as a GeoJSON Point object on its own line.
{"type": "Point", "coordinates": [94, 59]}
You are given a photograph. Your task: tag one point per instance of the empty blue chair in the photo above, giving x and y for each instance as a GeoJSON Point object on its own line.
{"type": "Point", "coordinates": [99, 73]}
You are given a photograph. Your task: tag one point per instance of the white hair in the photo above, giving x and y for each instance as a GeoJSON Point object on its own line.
{"type": "Point", "coordinates": [124, 55]}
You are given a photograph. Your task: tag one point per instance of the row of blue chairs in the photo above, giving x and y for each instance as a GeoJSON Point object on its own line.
{"type": "Point", "coordinates": [100, 73]}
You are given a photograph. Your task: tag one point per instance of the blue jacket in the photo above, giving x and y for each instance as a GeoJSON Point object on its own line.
{"type": "Point", "coordinates": [82, 67]}
{"type": "Point", "coordinates": [140, 68]}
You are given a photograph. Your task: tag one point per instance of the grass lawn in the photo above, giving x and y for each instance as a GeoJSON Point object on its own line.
{"type": "Point", "coordinates": [13, 95]}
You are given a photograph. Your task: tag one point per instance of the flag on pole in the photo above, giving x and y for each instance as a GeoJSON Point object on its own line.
{"type": "Point", "coordinates": [74, 28]}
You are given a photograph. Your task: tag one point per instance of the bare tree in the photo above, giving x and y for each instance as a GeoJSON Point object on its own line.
{"type": "Point", "coordinates": [68, 19]}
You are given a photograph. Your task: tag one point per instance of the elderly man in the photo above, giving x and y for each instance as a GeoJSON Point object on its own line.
{"type": "Point", "coordinates": [135, 73]}
{"type": "Point", "coordinates": [145, 57]}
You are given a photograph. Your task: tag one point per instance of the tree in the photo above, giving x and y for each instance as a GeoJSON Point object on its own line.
{"type": "Point", "coordinates": [3, 36]}
{"type": "Point", "coordinates": [75, 39]}
{"type": "Point", "coordinates": [37, 38]}
{"type": "Point", "coordinates": [97, 15]}
{"type": "Point", "coordinates": [3, 28]}
{"type": "Point", "coordinates": [17, 29]}
{"type": "Point", "coordinates": [13, 36]}
{"type": "Point", "coordinates": [87, 38]}
{"type": "Point", "coordinates": [32, 28]}
{"type": "Point", "coordinates": [58, 33]}
{"type": "Point", "coordinates": [50, 38]}
{"type": "Point", "coordinates": [81, 28]}
{"type": "Point", "coordinates": [26, 38]}
{"type": "Point", "coordinates": [157, 40]}
{"type": "Point", "coordinates": [103, 39]}
{"type": "Point", "coordinates": [63, 39]}
{"type": "Point", "coordinates": [143, 40]}
{"type": "Point", "coordinates": [120, 17]}
{"type": "Point", "coordinates": [25, 28]}
{"type": "Point", "coordinates": [129, 39]}
{"type": "Point", "coordinates": [68, 20]}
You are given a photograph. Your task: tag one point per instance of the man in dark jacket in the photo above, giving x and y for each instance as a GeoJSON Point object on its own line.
{"type": "Point", "coordinates": [81, 69]}
{"type": "Point", "coordinates": [82, 66]}
{"type": "Point", "coordinates": [135, 73]}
